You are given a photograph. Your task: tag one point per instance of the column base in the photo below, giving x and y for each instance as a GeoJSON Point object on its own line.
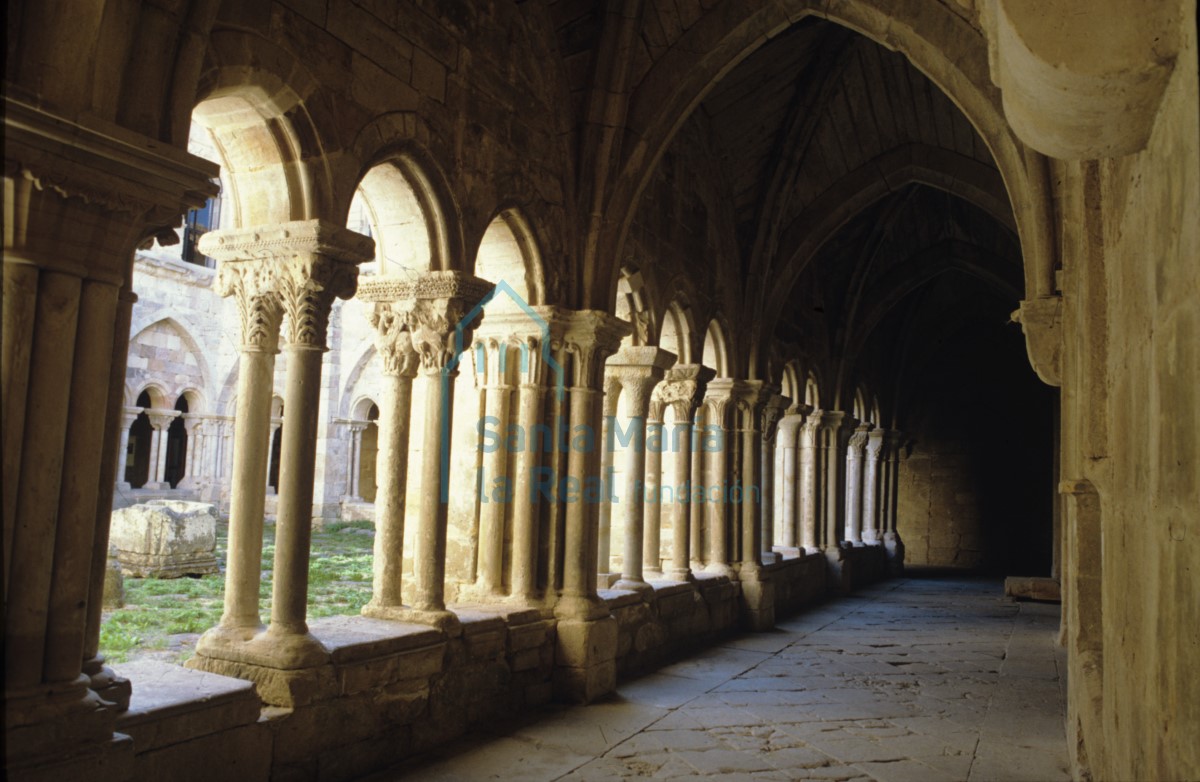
{"type": "Point", "coordinates": [46, 721]}
{"type": "Point", "coordinates": [443, 620]}
{"type": "Point", "coordinates": [683, 576]}
{"type": "Point", "coordinates": [113, 690]}
{"type": "Point", "coordinates": [641, 587]}
{"type": "Point", "coordinates": [270, 648]}
{"type": "Point", "coordinates": [839, 576]}
{"type": "Point", "coordinates": [870, 537]}
{"type": "Point", "coordinates": [721, 569]}
{"type": "Point", "coordinates": [580, 608]}
{"type": "Point", "coordinates": [895, 552]}
{"type": "Point", "coordinates": [585, 659]}
{"type": "Point", "coordinates": [757, 598]}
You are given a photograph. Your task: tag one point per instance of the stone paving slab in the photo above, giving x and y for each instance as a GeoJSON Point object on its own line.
{"type": "Point", "coordinates": [908, 681]}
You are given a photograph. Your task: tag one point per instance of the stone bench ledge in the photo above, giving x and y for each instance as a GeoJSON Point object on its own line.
{"type": "Point", "coordinates": [172, 704]}
{"type": "Point", "coordinates": [352, 639]}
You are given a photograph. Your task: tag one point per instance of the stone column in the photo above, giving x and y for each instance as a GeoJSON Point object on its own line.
{"type": "Point", "coordinates": [78, 200]}
{"type": "Point", "coordinates": [612, 395]}
{"type": "Point", "coordinates": [493, 515]}
{"type": "Point", "coordinates": [831, 451]}
{"type": "Point", "coordinates": [855, 454]}
{"type": "Point", "coordinates": [757, 592]}
{"type": "Point", "coordinates": [698, 481]}
{"type": "Point", "coordinates": [808, 490]}
{"type": "Point", "coordinates": [354, 490]}
{"type": "Point", "coordinates": [720, 399]}
{"type": "Point", "coordinates": [872, 487]}
{"type": "Point", "coordinates": [440, 310]}
{"type": "Point", "coordinates": [193, 425]}
{"type": "Point", "coordinates": [322, 265]}
{"type": "Point", "coordinates": [160, 420]}
{"type": "Point", "coordinates": [129, 415]}
{"type": "Point", "coordinates": [786, 442]}
{"type": "Point", "coordinates": [652, 534]}
{"type": "Point", "coordinates": [893, 447]}
{"type": "Point", "coordinates": [639, 370]}
{"type": "Point", "coordinates": [587, 633]}
{"type": "Point", "coordinates": [770, 418]}
{"type": "Point", "coordinates": [393, 342]}
{"type": "Point", "coordinates": [683, 388]}
{"type": "Point", "coordinates": [113, 690]}
{"type": "Point", "coordinates": [296, 269]}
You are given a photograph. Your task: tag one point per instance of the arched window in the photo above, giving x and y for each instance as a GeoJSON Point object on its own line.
{"type": "Point", "coordinates": [137, 456]}
{"type": "Point", "coordinates": [176, 463]}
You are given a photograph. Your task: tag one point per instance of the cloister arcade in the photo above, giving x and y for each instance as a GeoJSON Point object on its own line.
{"type": "Point", "coordinates": [628, 326]}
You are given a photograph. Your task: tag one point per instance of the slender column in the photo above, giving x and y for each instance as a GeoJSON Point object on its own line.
{"type": "Point", "coordinates": [323, 268]}
{"type": "Point", "coordinates": [652, 487]}
{"type": "Point", "coordinates": [590, 339]}
{"type": "Point", "coordinates": [129, 415]}
{"type": "Point", "coordinates": [894, 444]}
{"type": "Point", "coordinates": [439, 310]}
{"type": "Point", "coordinates": [612, 395]}
{"type": "Point", "coordinates": [809, 488]}
{"type": "Point", "coordinates": [682, 388]}
{"type": "Point", "coordinates": [854, 482]}
{"type": "Point", "coordinates": [770, 417]}
{"type": "Point", "coordinates": [296, 269]}
{"type": "Point", "coordinates": [160, 420]}
{"type": "Point", "coordinates": [525, 516]}
{"type": "Point", "coordinates": [355, 476]}
{"type": "Point", "coordinates": [639, 370]}
{"type": "Point", "coordinates": [786, 525]}
{"type": "Point", "coordinates": [701, 477]}
{"type": "Point", "coordinates": [872, 487]}
{"type": "Point", "coordinates": [493, 515]}
{"type": "Point", "coordinates": [393, 342]}
{"type": "Point", "coordinates": [831, 453]}
{"type": "Point", "coordinates": [720, 399]}
{"type": "Point", "coordinates": [752, 397]}
{"type": "Point", "coordinates": [192, 426]}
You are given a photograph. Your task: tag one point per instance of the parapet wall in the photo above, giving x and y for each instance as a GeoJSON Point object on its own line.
{"type": "Point", "coordinates": [393, 689]}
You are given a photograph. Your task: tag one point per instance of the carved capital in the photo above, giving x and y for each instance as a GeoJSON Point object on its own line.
{"type": "Point", "coordinates": [683, 388]}
{"type": "Point", "coordinates": [639, 370]}
{"type": "Point", "coordinates": [772, 415]}
{"type": "Point", "coordinates": [297, 268]}
{"type": "Point", "coordinates": [440, 310]}
{"type": "Point", "coordinates": [1041, 320]}
{"type": "Point", "coordinates": [393, 341]}
{"type": "Point", "coordinates": [590, 338]}
{"type": "Point", "coordinates": [875, 444]}
{"type": "Point", "coordinates": [161, 419]}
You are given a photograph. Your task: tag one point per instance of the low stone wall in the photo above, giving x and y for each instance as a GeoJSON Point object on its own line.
{"type": "Point", "coordinates": [393, 689]}
{"type": "Point", "coordinates": [655, 627]}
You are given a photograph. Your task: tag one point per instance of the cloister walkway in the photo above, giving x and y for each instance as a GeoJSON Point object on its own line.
{"type": "Point", "coordinates": [911, 680]}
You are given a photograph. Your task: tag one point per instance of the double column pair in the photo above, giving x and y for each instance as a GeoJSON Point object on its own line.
{"type": "Point", "coordinates": [633, 374]}
{"type": "Point", "coordinates": [285, 275]}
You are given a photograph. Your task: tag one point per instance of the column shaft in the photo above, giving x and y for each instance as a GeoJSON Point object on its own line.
{"type": "Point", "coordinates": [612, 390]}
{"type": "Point", "coordinates": [579, 572]}
{"type": "Point", "coordinates": [86, 414]}
{"type": "Point", "coordinates": [493, 514]}
{"type": "Point", "coordinates": [252, 431]}
{"type": "Point", "coordinates": [680, 517]}
{"type": "Point", "coordinates": [297, 468]}
{"type": "Point", "coordinates": [652, 533]}
{"type": "Point", "coordinates": [525, 516]}
{"type": "Point", "coordinates": [392, 477]}
{"type": "Point", "coordinates": [633, 503]}
{"type": "Point", "coordinates": [31, 566]}
{"type": "Point", "coordinates": [704, 468]}
{"type": "Point", "coordinates": [429, 554]}
{"type": "Point", "coordinates": [808, 486]}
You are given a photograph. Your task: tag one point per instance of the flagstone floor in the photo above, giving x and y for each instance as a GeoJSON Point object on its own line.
{"type": "Point", "coordinates": [913, 680]}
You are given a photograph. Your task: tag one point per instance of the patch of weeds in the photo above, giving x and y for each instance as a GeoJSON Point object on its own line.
{"type": "Point", "coordinates": [168, 614]}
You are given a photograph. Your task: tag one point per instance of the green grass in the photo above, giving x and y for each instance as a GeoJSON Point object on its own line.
{"type": "Point", "coordinates": [164, 617]}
